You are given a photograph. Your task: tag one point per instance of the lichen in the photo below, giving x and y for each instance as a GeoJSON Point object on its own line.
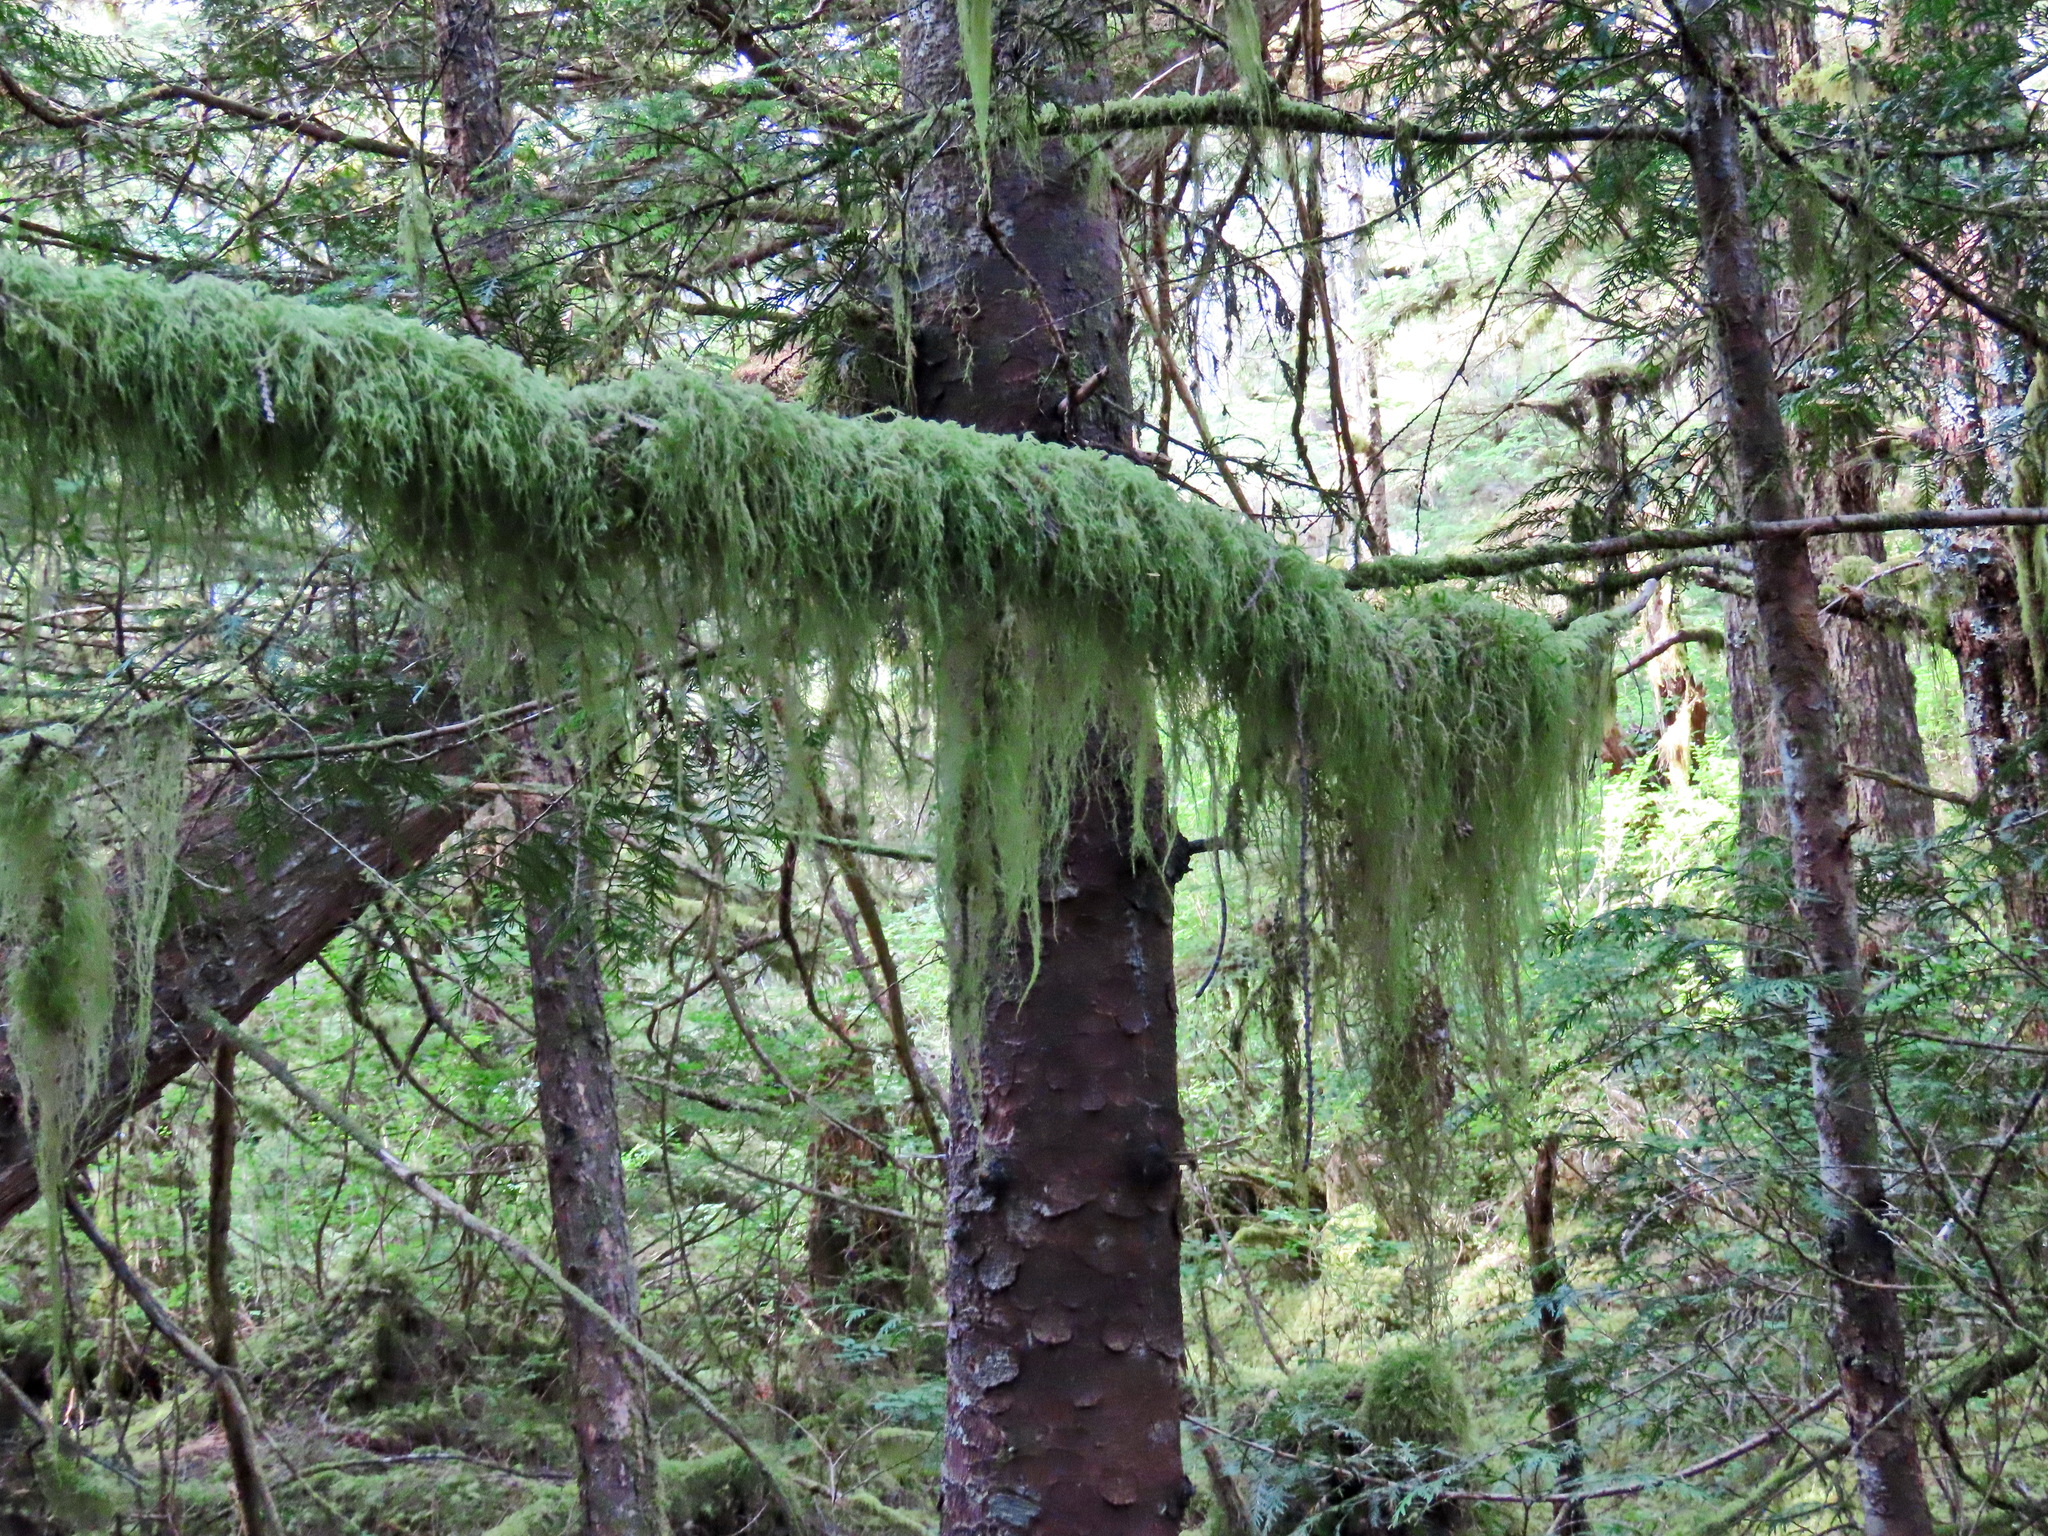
{"type": "Point", "coordinates": [1040, 590]}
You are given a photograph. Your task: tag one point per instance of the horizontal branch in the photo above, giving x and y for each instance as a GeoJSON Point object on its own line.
{"type": "Point", "coordinates": [304, 124]}
{"type": "Point", "coordinates": [1713, 1463]}
{"type": "Point", "coordinates": [1910, 786]}
{"type": "Point", "coordinates": [1712, 638]}
{"type": "Point", "coordinates": [1419, 570]}
{"type": "Point", "coordinates": [29, 229]}
{"type": "Point", "coordinates": [1233, 109]}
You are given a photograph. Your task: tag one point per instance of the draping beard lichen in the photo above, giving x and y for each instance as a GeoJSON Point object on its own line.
{"type": "Point", "coordinates": [1041, 590]}
{"type": "Point", "coordinates": [87, 837]}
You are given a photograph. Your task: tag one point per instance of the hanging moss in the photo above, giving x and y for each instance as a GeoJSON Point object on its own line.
{"type": "Point", "coordinates": [54, 910]}
{"type": "Point", "coordinates": [1045, 590]}
{"type": "Point", "coordinates": [72, 813]}
{"type": "Point", "coordinates": [2030, 545]}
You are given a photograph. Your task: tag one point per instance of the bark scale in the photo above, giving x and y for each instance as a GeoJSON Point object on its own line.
{"type": "Point", "coordinates": [617, 1481]}
{"type": "Point", "coordinates": [474, 125]}
{"type": "Point", "coordinates": [1868, 1333]}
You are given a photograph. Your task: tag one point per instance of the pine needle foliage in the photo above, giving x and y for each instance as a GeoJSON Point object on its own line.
{"type": "Point", "coordinates": [1040, 589]}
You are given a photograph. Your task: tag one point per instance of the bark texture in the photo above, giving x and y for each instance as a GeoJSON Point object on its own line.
{"type": "Point", "coordinates": [1021, 322]}
{"type": "Point", "coordinates": [245, 922]}
{"type": "Point", "coordinates": [1879, 700]}
{"type": "Point", "coordinates": [2002, 717]}
{"type": "Point", "coordinates": [1547, 1288]}
{"type": "Point", "coordinates": [1868, 1332]}
{"type": "Point", "coordinates": [251, 1503]}
{"type": "Point", "coordinates": [617, 1481]}
{"type": "Point", "coordinates": [474, 125]}
{"type": "Point", "coordinates": [1064, 1268]}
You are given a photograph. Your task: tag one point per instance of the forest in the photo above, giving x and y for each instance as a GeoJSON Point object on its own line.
{"type": "Point", "coordinates": [1023, 768]}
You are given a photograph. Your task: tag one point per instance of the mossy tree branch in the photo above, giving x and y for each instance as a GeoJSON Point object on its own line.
{"type": "Point", "coordinates": [1393, 571]}
{"type": "Point", "coordinates": [1043, 587]}
{"type": "Point", "coordinates": [1237, 109]}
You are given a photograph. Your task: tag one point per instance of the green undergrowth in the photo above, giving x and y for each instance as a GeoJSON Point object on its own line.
{"type": "Point", "coordinates": [1357, 1450]}
{"type": "Point", "coordinates": [1045, 595]}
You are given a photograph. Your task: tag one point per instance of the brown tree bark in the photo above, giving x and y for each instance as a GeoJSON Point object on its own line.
{"type": "Point", "coordinates": [251, 1502]}
{"type": "Point", "coordinates": [1547, 1287]}
{"type": "Point", "coordinates": [1064, 1344]}
{"type": "Point", "coordinates": [1879, 699]}
{"type": "Point", "coordinates": [1868, 1333]}
{"type": "Point", "coordinates": [1063, 1170]}
{"type": "Point", "coordinates": [474, 125]}
{"type": "Point", "coordinates": [617, 1477]}
{"type": "Point", "coordinates": [1761, 814]}
{"type": "Point", "coordinates": [1021, 321]}
{"type": "Point", "coordinates": [244, 923]}
{"type": "Point", "coordinates": [2002, 717]}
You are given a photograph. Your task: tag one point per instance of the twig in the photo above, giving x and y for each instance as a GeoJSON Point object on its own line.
{"type": "Point", "coordinates": [891, 989]}
{"type": "Point", "coordinates": [1709, 637]}
{"type": "Point", "coordinates": [1188, 402]}
{"type": "Point", "coordinates": [833, 1196]}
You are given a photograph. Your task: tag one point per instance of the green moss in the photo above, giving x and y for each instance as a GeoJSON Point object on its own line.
{"type": "Point", "coordinates": [1354, 1442]}
{"type": "Point", "coordinates": [861, 1512]}
{"type": "Point", "coordinates": [549, 1512]}
{"type": "Point", "coordinates": [2030, 545]}
{"type": "Point", "coordinates": [716, 1494]}
{"type": "Point", "coordinates": [1412, 1397]}
{"type": "Point", "coordinates": [76, 1496]}
{"type": "Point", "coordinates": [53, 905]}
{"type": "Point", "coordinates": [1044, 590]}
{"type": "Point", "coordinates": [1314, 1413]}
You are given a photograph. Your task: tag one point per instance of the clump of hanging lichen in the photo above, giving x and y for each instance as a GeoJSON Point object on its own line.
{"type": "Point", "coordinates": [58, 924]}
{"type": "Point", "coordinates": [1045, 593]}
{"type": "Point", "coordinates": [86, 858]}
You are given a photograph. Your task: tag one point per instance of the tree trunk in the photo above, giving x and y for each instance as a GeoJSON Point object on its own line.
{"type": "Point", "coordinates": [617, 1465]}
{"type": "Point", "coordinates": [1020, 316]}
{"type": "Point", "coordinates": [251, 1502]}
{"type": "Point", "coordinates": [474, 128]}
{"type": "Point", "coordinates": [1063, 1179]}
{"type": "Point", "coordinates": [1868, 1332]}
{"type": "Point", "coordinates": [2002, 716]}
{"type": "Point", "coordinates": [1063, 1172]}
{"type": "Point", "coordinates": [1761, 814]}
{"type": "Point", "coordinates": [1874, 683]}
{"type": "Point", "coordinates": [1547, 1286]}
